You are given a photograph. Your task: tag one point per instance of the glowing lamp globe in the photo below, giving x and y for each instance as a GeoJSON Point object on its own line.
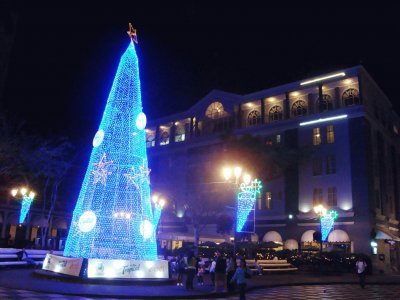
{"type": "Point", "coordinates": [146, 229]}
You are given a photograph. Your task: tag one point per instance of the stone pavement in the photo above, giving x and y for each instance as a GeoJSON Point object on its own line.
{"type": "Point", "coordinates": [21, 279]}
{"type": "Point", "coordinates": [309, 292]}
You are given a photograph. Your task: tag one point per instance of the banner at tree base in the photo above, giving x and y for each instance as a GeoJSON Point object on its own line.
{"type": "Point", "coordinates": [117, 268]}
{"type": "Point", "coordinates": [61, 264]}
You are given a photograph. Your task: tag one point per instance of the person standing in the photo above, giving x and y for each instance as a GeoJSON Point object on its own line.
{"type": "Point", "coordinates": [240, 277]}
{"type": "Point", "coordinates": [230, 270]}
{"type": "Point", "coordinates": [220, 272]}
{"type": "Point", "coordinates": [212, 271]}
{"type": "Point", "coordinates": [361, 266]}
{"type": "Point", "coordinates": [181, 269]}
{"type": "Point", "coordinates": [190, 271]}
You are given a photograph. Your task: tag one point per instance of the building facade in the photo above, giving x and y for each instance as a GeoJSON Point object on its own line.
{"type": "Point", "coordinates": [353, 167]}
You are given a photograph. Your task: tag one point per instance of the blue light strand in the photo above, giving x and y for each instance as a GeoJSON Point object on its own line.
{"type": "Point", "coordinates": [245, 202]}
{"type": "Point", "coordinates": [115, 193]}
{"type": "Point", "coordinates": [25, 206]}
{"type": "Point", "coordinates": [327, 222]}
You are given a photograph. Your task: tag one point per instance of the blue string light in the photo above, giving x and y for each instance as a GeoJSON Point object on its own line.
{"type": "Point", "coordinates": [25, 206]}
{"type": "Point", "coordinates": [113, 217]}
{"type": "Point", "coordinates": [245, 201]}
{"type": "Point", "coordinates": [327, 222]}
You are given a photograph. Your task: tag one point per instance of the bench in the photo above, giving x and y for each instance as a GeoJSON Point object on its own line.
{"type": "Point", "coordinates": [9, 257]}
{"type": "Point", "coordinates": [269, 265]}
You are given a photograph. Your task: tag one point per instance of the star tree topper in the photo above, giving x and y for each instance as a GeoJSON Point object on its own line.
{"type": "Point", "coordinates": [132, 33]}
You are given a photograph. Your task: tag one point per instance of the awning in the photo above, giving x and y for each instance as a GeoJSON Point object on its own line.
{"type": "Point", "coordinates": [380, 235]}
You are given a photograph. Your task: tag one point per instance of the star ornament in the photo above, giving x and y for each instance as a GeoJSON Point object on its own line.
{"type": "Point", "coordinates": [145, 171]}
{"type": "Point", "coordinates": [134, 178]}
{"type": "Point", "coordinates": [132, 33]}
{"type": "Point", "coordinates": [101, 171]}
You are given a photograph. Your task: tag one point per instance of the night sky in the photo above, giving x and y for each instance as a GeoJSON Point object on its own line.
{"type": "Point", "coordinates": [65, 57]}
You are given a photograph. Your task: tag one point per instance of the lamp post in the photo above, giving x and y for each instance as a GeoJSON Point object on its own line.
{"type": "Point", "coordinates": [321, 211]}
{"type": "Point", "coordinates": [26, 196]}
{"type": "Point", "coordinates": [235, 182]}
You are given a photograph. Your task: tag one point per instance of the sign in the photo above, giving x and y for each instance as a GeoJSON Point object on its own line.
{"type": "Point", "coordinates": [87, 221]}
{"type": "Point", "coordinates": [116, 268]}
{"type": "Point", "coordinates": [61, 264]}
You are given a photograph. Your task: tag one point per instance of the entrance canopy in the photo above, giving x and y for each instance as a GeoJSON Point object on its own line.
{"type": "Point", "coordinates": [338, 236]}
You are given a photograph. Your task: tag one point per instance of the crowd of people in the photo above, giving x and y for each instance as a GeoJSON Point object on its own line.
{"type": "Point", "coordinates": [223, 271]}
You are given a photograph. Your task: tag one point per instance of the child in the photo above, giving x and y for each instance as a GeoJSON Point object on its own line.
{"type": "Point", "coordinates": [200, 272]}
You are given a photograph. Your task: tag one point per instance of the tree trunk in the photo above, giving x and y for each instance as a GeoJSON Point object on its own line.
{"type": "Point", "coordinates": [196, 231]}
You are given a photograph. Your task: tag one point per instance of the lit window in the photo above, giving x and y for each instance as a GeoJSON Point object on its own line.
{"type": "Point", "coordinates": [330, 134]}
{"type": "Point", "coordinates": [325, 103]}
{"type": "Point", "coordinates": [332, 198]}
{"type": "Point", "coordinates": [268, 197]}
{"type": "Point", "coordinates": [150, 139]}
{"type": "Point", "coordinates": [317, 166]}
{"type": "Point", "coordinates": [259, 201]}
{"type": "Point", "coordinates": [351, 97]}
{"type": "Point", "coordinates": [180, 133]}
{"type": "Point", "coordinates": [331, 164]}
{"type": "Point", "coordinates": [215, 110]}
{"type": "Point", "coordinates": [275, 113]}
{"type": "Point", "coordinates": [164, 138]}
{"type": "Point", "coordinates": [317, 196]}
{"type": "Point", "coordinates": [316, 136]}
{"type": "Point", "coordinates": [254, 118]}
{"type": "Point", "coordinates": [299, 108]}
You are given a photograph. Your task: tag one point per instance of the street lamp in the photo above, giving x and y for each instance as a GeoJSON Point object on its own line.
{"type": "Point", "coordinates": [26, 196]}
{"type": "Point", "coordinates": [235, 181]}
{"type": "Point", "coordinates": [159, 202]}
{"type": "Point", "coordinates": [321, 211]}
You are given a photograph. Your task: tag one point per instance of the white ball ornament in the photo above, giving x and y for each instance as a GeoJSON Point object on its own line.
{"type": "Point", "coordinates": [141, 121]}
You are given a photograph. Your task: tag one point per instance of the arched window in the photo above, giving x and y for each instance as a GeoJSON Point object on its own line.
{"type": "Point", "coordinates": [275, 113]}
{"type": "Point", "coordinates": [325, 103]}
{"type": "Point", "coordinates": [164, 138]}
{"type": "Point", "coordinates": [215, 110]}
{"type": "Point", "coordinates": [253, 118]}
{"type": "Point", "coordinates": [350, 97]}
{"type": "Point", "coordinates": [299, 108]}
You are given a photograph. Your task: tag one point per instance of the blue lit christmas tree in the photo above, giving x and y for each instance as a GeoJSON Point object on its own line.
{"type": "Point", "coordinates": [113, 217]}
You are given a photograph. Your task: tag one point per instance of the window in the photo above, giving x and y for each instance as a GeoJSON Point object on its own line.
{"type": "Point", "coordinates": [330, 164]}
{"type": "Point", "coordinates": [351, 97]}
{"type": "Point", "coordinates": [278, 138]}
{"type": "Point", "coordinates": [325, 103]}
{"type": "Point", "coordinates": [254, 118]}
{"type": "Point", "coordinates": [259, 201]}
{"type": "Point", "coordinates": [317, 196]}
{"type": "Point", "coordinates": [215, 110]}
{"type": "Point", "coordinates": [180, 133]}
{"type": "Point", "coordinates": [150, 139]}
{"type": "Point", "coordinates": [330, 134]}
{"type": "Point", "coordinates": [317, 166]}
{"type": "Point", "coordinates": [299, 108]}
{"type": "Point", "coordinates": [275, 113]}
{"type": "Point", "coordinates": [332, 198]}
{"type": "Point", "coordinates": [268, 198]}
{"type": "Point", "coordinates": [316, 136]}
{"type": "Point", "coordinates": [164, 138]}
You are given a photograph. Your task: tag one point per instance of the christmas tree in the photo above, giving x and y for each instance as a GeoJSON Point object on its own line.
{"type": "Point", "coordinates": [113, 217]}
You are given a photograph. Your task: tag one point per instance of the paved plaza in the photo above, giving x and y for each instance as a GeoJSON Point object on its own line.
{"type": "Point", "coordinates": [309, 292]}
{"type": "Point", "coordinates": [22, 284]}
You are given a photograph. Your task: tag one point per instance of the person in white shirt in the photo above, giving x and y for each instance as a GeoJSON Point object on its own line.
{"type": "Point", "coordinates": [361, 266]}
{"type": "Point", "coordinates": [212, 271]}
